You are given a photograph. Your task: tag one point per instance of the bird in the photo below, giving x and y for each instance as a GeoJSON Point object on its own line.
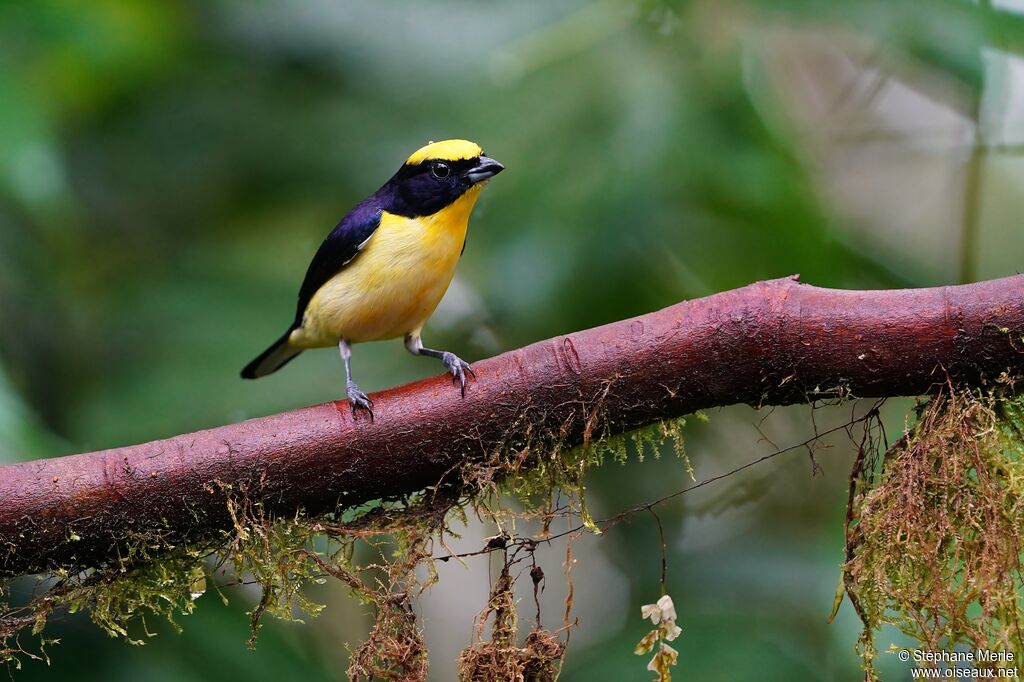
{"type": "Point", "coordinates": [381, 272]}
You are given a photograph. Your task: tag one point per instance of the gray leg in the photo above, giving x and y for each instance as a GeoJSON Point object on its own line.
{"type": "Point", "coordinates": [355, 396]}
{"type": "Point", "coordinates": [452, 362]}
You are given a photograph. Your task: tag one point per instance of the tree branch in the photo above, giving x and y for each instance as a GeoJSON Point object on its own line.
{"type": "Point", "coordinates": [776, 342]}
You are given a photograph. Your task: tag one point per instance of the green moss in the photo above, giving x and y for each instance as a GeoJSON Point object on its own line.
{"type": "Point", "coordinates": [533, 477]}
{"type": "Point", "coordinates": [163, 587]}
{"type": "Point", "coordinates": [157, 579]}
{"type": "Point", "coordinates": [279, 554]}
{"type": "Point", "coordinates": [934, 537]}
{"type": "Point", "coordinates": [152, 578]}
{"type": "Point", "coordinates": [933, 545]}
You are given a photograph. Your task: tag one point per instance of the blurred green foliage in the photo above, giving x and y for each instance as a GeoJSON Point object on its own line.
{"type": "Point", "coordinates": [167, 170]}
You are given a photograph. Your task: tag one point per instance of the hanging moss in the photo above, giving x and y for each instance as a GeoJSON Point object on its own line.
{"type": "Point", "coordinates": [933, 546]}
{"type": "Point", "coordinates": [155, 578]}
{"type": "Point", "coordinates": [499, 658]}
{"type": "Point", "coordinates": [935, 528]}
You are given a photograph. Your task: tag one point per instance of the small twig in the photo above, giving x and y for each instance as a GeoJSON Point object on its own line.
{"type": "Point", "coordinates": [664, 550]}
{"type": "Point", "coordinates": [612, 521]}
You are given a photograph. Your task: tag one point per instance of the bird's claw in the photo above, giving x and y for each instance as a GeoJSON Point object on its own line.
{"type": "Point", "coordinates": [457, 367]}
{"type": "Point", "coordinates": [358, 399]}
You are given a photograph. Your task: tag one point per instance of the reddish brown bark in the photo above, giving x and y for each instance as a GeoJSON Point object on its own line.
{"type": "Point", "coordinates": [775, 342]}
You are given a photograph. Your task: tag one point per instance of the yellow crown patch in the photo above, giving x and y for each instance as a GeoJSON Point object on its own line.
{"type": "Point", "coordinates": [446, 150]}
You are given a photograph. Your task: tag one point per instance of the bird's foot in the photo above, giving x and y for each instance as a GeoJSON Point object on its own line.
{"type": "Point", "coordinates": [457, 367]}
{"type": "Point", "coordinates": [359, 399]}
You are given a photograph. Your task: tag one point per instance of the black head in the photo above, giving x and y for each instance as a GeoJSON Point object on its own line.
{"type": "Point", "coordinates": [437, 175]}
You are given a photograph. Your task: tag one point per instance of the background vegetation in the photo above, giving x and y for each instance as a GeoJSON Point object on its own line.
{"type": "Point", "coordinates": [167, 170]}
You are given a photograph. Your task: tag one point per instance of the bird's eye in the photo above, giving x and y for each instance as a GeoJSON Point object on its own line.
{"type": "Point", "coordinates": [441, 170]}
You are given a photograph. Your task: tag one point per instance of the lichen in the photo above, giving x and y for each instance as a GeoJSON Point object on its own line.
{"type": "Point", "coordinates": [934, 535]}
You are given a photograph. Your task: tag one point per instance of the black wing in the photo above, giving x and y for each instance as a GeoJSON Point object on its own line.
{"type": "Point", "coordinates": [338, 249]}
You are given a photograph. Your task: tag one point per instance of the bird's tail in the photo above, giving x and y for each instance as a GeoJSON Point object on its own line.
{"type": "Point", "coordinates": [272, 359]}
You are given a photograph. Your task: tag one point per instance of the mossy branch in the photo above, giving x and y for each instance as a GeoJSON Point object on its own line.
{"type": "Point", "coordinates": [774, 342]}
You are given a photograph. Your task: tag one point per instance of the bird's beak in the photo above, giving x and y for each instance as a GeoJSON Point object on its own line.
{"type": "Point", "coordinates": [485, 169]}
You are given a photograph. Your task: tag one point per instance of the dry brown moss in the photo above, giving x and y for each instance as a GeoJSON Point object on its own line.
{"type": "Point", "coordinates": [394, 650]}
{"type": "Point", "coordinates": [935, 531]}
{"type": "Point", "coordinates": [499, 659]}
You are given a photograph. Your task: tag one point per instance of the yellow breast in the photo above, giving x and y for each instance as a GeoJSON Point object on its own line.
{"type": "Point", "coordinates": [394, 284]}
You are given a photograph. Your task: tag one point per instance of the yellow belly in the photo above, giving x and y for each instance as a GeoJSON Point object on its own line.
{"type": "Point", "coordinates": [394, 284]}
